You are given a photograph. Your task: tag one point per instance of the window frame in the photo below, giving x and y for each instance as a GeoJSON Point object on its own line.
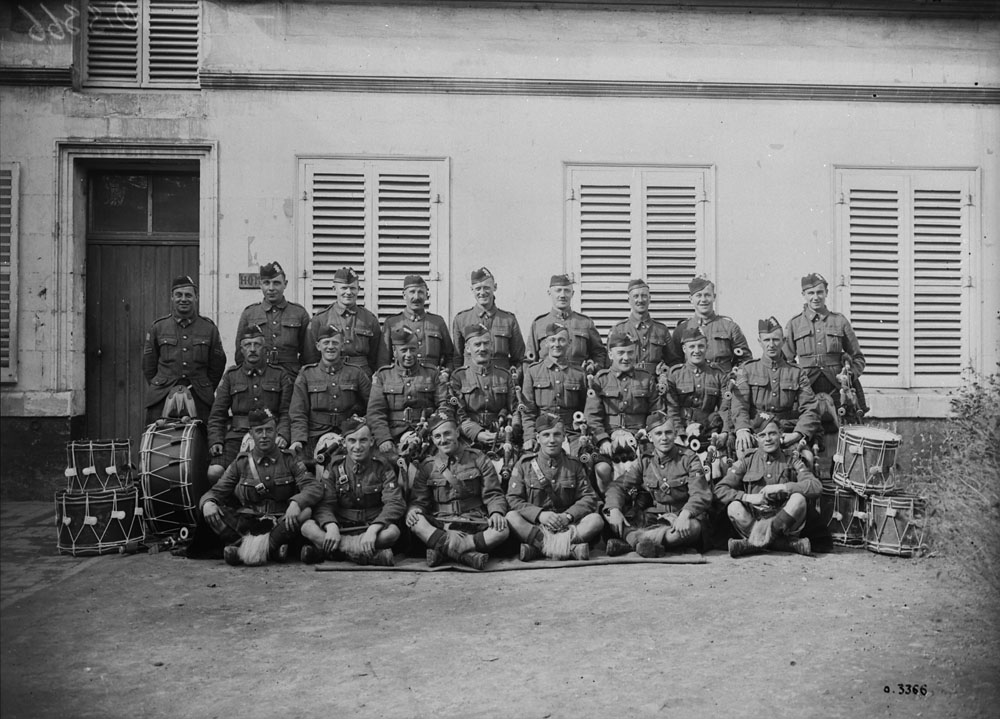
{"type": "Point", "coordinates": [9, 373]}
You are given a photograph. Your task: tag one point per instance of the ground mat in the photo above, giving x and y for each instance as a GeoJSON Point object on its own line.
{"type": "Point", "coordinates": [510, 564]}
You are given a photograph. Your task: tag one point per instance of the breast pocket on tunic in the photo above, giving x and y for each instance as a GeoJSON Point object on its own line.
{"type": "Point", "coordinates": [435, 342]}
{"type": "Point", "coordinates": [319, 398]}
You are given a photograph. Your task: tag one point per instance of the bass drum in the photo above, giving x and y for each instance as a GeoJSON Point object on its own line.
{"type": "Point", "coordinates": [173, 467]}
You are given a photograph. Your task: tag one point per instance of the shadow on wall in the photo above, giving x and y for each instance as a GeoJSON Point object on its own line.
{"type": "Point", "coordinates": [33, 456]}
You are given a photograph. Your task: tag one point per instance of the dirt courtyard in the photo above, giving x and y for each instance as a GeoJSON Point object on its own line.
{"type": "Point", "coordinates": [847, 634]}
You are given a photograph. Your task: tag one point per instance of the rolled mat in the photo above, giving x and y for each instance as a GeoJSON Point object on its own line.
{"type": "Point", "coordinates": [510, 564]}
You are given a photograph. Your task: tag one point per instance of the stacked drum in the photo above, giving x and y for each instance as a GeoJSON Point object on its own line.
{"type": "Point", "coordinates": [862, 507]}
{"type": "Point", "coordinates": [99, 512]}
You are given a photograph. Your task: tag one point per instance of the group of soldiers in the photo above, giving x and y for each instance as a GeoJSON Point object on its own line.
{"type": "Point", "coordinates": [362, 433]}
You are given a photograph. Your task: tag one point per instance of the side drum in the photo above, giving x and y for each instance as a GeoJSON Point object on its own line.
{"type": "Point", "coordinates": [98, 522]}
{"type": "Point", "coordinates": [842, 511]}
{"type": "Point", "coordinates": [896, 525]}
{"type": "Point", "coordinates": [96, 465]}
{"type": "Point", "coordinates": [866, 459]}
{"type": "Point", "coordinates": [173, 467]}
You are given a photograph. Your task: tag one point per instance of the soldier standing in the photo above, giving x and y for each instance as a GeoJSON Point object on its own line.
{"type": "Point", "coordinates": [508, 342]}
{"type": "Point", "coordinates": [726, 344]}
{"type": "Point", "coordinates": [653, 341]}
{"type": "Point", "coordinates": [435, 348]}
{"type": "Point", "coordinates": [182, 350]}
{"type": "Point", "coordinates": [586, 350]}
{"type": "Point", "coordinates": [251, 385]}
{"type": "Point", "coordinates": [282, 323]}
{"type": "Point", "coordinates": [360, 328]}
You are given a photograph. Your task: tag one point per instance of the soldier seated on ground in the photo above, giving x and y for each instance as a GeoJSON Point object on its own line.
{"type": "Point", "coordinates": [661, 502]}
{"type": "Point", "coordinates": [766, 495]}
{"type": "Point", "coordinates": [359, 514]}
{"type": "Point", "coordinates": [457, 507]}
{"type": "Point", "coordinates": [553, 508]}
{"type": "Point", "coordinates": [262, 498]}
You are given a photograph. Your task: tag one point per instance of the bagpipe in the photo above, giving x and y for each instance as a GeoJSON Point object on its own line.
{"type": "Point", "coordinates": [505, 448]}
{"type": "Point", "coordinates": [852, 407]}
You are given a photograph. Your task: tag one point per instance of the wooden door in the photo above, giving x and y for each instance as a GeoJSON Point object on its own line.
{"type": "Point", "coordinates": [142, 232]}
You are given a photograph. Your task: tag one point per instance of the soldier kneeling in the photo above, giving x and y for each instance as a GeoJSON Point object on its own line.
{"type": "Point", "coordinates": [257, 505]}
{"type": "Point", "coordinates": [358, 516]}
{"type": "Point", "coordinates": [553, 507]}
{"type": "Point", "coordinates": [457, 507]}
{"type": "Point", "coordinates": [660, 503]}
{"type": "Point", "coordinates": [766, 495]}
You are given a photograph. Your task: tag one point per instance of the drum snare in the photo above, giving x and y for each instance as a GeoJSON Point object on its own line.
{"type": "Point", "coordinates": [896, 525]}
{"type": "Point", "coordinates": [866, 459]}
{"type": "Point", "coordinates": [98, 522]}
{"type": "Point", "coordinates": [98, 465]}
{"type": "Point", "coordinates": [842, 511]}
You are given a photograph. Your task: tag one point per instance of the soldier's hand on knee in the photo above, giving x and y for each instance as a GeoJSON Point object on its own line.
{"type": "Point", "coordinates": [213, 516]}
{"type": "Point", "coordinates": [387, 447]}
{"type": "Point", "coordinates": [281, 442]}
{"type": "Point", "coordinates": [332, 539]}
{"type": "Point", "coordinates": [617, 521]}
{"type": "Point", "coordinates": [413, 516]}
{"type": "Point", "coordinates": [744, 440]}
{"type": "Point", "coordinates": [682, 525]}
{"type": "Point", "coordinates": [215, 450]}
{"type": "Point", "coordinates": [498, 522]}
{"type": "Point", "coordinates": [549, 520]}
{"type": "Point", "coordinates": [754, 499]}
{"type": "Point", "coordinates": [368, 539]}
{"type": "Point", "coordinates": [291, 518]}
{"type": "Point", "coordinates": [530, 445]}
{"type": "Point", "coordinates": [295, 447]}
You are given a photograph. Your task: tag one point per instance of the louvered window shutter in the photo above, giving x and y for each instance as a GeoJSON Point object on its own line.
{"type": "Point", "coordinates": [904, 237]}
{"type": "Point", "coordinates": [142, 43]}
{"type": "Point", "coordinates": [382, 218]}
{"type": "Point", "coordinates": [635, 222]}
{"type": "Point", "coordinates": [9, 183]}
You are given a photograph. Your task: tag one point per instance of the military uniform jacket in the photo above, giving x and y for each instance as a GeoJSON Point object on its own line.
{"type": "Point", "coordinates": [360, 495]}
{"type": "Point", "coordinates": [723, 335]}
{"type": "Point", "coordinates": [662, 485]}
{"type": "Point", "coordinates": [694, 394]}
{"type": "Point", "coordinates": [538, 484]}
{"type": "Point", "coordinates": [621, 400]}
{"type": "Point", "coordinates": [243, 389]}
{"type": "Point", "coordinates": [482, 392]}
{"type": "Point", "coordinates": [362, 336]}
{"type": "Point", "coordinates": [284, 325]}
{"type": "Point", "coordinates": [817, 342]}
{"type": "Point", "coordinates": [655, 343]}
{"type": "Point", "coordinates": [508, 342]}
{"type": "Point", "coordinates": [325, 396]}
{"type": "Point", "coordinates": [183, 351]}
{"type": "Point", "coordinates": [759, 469]}
{"type": "Point", "coordinates": [436, 348]}
{"type": "Point", "coordinates": [283, 479]}
{"type": "Point", "coordinates": [584, 340]}
{"type": "Point", "coordinates": [779, 388]}
{"type": "Point", "coordinates": [399, 397]}
{"type": "Point", "coordinates": [466, 484]}
{"type": "Point", "coordinates": [551, 387]}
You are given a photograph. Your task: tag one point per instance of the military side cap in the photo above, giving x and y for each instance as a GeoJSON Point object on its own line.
{"type": "Point", "coordinates": [697, 284]}
{"type": "Point", "coordinates": [655, 419]}
{"type": "Point", "coordinates": [620, 339]}
{"type": "Point", "coordinates": [330, 332]}
{"type": "Point", "coordinates": [251, 332]}
{"type": "Point", "coordinates": [560, 281]}
{"type": "Point", "coordinates": [403, 336]}
{"type": "Point", "coordinates": [554, 328]}
{"type": "Point", "coordinates": [352, 425]}
{"type": "Point", "coordinates": [413, 281]}
{"type": "Point", "coordinates": [481, 274]}
{"type": "Point", "coordinates": [345, 276]}
{"type": "Point", "coordinates": [547, 420]}
{"type": "Point", "coordinates": [476, 330]}
{"type": "Point", "coordinates": [813, 279]}
{"type": "Point", "coordinates": [259, 417]}
{"type": "Point", "coordinates": [768, 325]}
{"type": "Point", "coordinates": [182, 281]}
{"type": "Point", "coordinates": [762, 420]}
{"type": "Point", "coordinates": [440, 417]}
{"type": "Point", "coordinates": [271, 270]}
{"type": "Point", "coordinates": [636, 283]}
{"type": "Point", "coordinates": [692, 334]}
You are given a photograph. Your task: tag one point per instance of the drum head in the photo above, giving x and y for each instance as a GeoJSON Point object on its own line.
{"type": "Point", "coordinates": [872, 434]}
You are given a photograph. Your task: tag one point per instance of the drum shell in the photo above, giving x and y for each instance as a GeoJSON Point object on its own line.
{"type": "Point", "coordinates": [98, 465]}
{"type": "Point", "coordinates": [98, 522]}
{"type": "Point", "coordinates": [896, 525]}
{"type": "Point", "coordinates": [865, 460]}
{"type": "Point", "coordinates": [173, 468]}
{"type": "Point", "coordinates": [843, 513]}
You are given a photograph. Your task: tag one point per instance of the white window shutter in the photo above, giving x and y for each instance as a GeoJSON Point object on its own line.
{"type": "Point", "coordinates": [9, 184]}
{"type": "Point", "coordinates": [173, 40]}
{"type": "Point", "coordinates": [628, 222]}
{"type": "Point", "coordinates": [382, 218]}
{"type": "Point", "coordinates": [940, 251]}
{"type": "Point", "coordinates": [113, 45]}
